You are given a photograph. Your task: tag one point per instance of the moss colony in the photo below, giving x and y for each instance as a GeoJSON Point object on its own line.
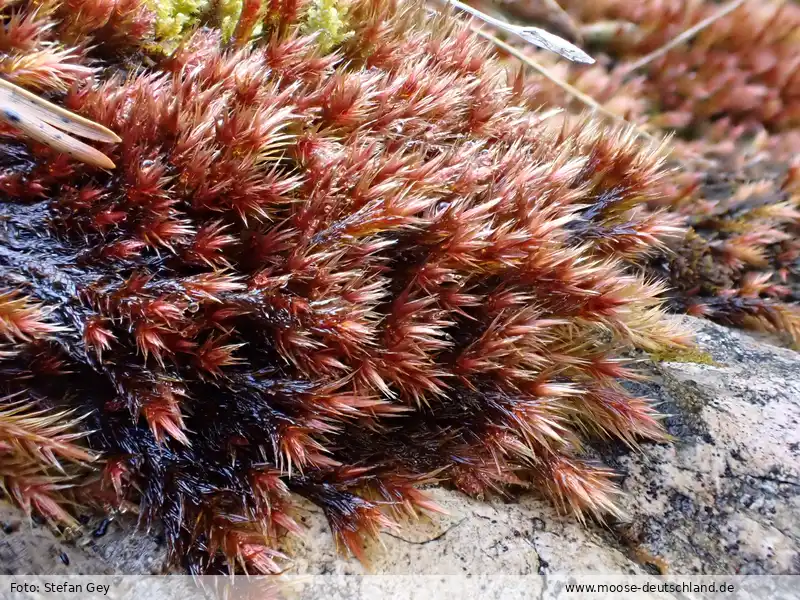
{"type": "Point", "coordinates": [731, 95]}
{"type": "Point", "coordinates": [340, 257]}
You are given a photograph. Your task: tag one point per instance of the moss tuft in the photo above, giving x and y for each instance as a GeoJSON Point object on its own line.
{"type": "Point", "coordinates": [175, 17]}
{"type": "Point", "coordinates": [328, 19]}
{"type": "Point", "coordinates": [684, 355]}
{"type": "Point", "coordinates": [229, 12]}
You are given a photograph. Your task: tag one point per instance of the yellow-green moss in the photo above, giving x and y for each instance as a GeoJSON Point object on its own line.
{"type": "Point", "coordinates": [229, 13]}
{"type": "Point", "coordinates": [328, 19]}
{"type": "Point", "coordinates": [684, 355]}
{"type": "Point", "coordinates": [174, 17]}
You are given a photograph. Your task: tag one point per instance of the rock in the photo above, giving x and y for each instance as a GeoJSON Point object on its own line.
{"type": "Point", "coordinates": [724, 498]}
{"type": "Point", "coordinates": [29, 548]}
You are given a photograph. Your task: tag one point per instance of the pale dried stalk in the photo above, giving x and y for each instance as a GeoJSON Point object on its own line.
{"type": "Point", "coordinates": [46, 123]}
{"type": "Point", "coordinates": [533, 35]}
{"type": "Point", "coordinates": [571, 90]}
{"type": "Point", "coordinates": [685, 36]}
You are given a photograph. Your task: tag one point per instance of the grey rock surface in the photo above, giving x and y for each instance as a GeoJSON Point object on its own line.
{"type": "Point", "coordinates": [724, 498]}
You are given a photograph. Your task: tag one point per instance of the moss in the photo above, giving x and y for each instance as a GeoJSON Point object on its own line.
{"type": "Point", "coordinates": [684, 355]}
{"type": "Point", "coordinates": [328, 19]}
{"type": "Point", "coordinates": [229, 11]}
{"type": "Point", "coordinates": [174, 17]}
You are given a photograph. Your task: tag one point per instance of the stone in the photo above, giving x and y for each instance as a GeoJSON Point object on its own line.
{"type": "Point", "coordinates": [725, 496]}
